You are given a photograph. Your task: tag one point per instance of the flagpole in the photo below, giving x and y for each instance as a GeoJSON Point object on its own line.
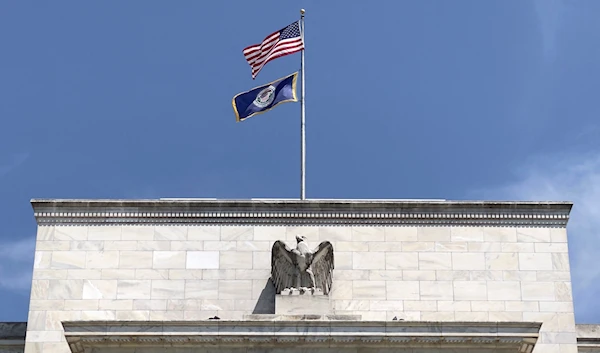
{"type": "Point", "coordinates": [302, 118]}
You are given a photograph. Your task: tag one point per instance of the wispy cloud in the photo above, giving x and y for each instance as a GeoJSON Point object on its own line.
{"type": "Point", "coordinates": [567, 177]}
{"type": "Point", "coordinates": [550, 17]}
{"type": "Point", "coordinates": [16, 259]}
{"type": "Point", "coordinates": [14, 161]}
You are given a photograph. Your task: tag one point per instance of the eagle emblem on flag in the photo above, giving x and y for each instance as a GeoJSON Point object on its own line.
{"type": "Point", "coordinates": [265, 97]}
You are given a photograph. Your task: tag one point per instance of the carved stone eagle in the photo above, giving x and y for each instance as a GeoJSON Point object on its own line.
{"type": "Point", "coordinates": [302, 268]}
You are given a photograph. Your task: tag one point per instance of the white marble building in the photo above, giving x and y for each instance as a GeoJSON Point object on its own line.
{"type": "Point", "coordinates": [410, 276]}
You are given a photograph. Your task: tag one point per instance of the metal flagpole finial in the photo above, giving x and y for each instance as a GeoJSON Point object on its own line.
{"type": "Point", "coordinates": [302, 11]}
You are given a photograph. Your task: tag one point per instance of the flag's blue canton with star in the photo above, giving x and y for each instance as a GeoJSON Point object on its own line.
{"type": "Point", "coordinates": [290, 31]}
{"type": "Point", "coordinates": [264, 98]}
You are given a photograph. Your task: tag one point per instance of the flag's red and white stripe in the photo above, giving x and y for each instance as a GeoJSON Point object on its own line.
{"type": "Point", "coordinates": [272, 47]}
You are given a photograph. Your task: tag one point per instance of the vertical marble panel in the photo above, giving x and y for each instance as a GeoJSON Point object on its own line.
{"type": "Point", "coordinates": [401, 260]}
{"type": "Point", "coordinates": [405, 290]}
{"type": "Point", "coordinates": [68, 260]}
{"type": "Point", "coordinates": [102, 259]}
{"type": "Point", "coordinates": [504, 290]}
{"type": "Point", "coordinates": [135, 259]}
{"type": "Point", "coordinates": [65, 289]}
{"type": "Point", "coordinates": [168, 289]}
{"type": "Point", "coordinates": [229, 233]}
{"type": "Point", "coordinates": [533, 235]}
{"type": "Point", "coordinates": [99, 289]}
{"type": "Point", "coordinates": [104, 232]}
{"type": "Point", "coordinates": [170, 232]}
{"type": "Point", "coordinates": [169, 259]}
{"type": "Point", "coordinates": [137, 232]}
{"type": "Point", "coordinates": [433, 233]}
{"type": "Point", "coordinates": [535, 261]}
{"type": "Point", "coordinates": [400, 233]}
{"type": "Point", "coordinates": [201, 233]}
{"type": "Point", "coordinates": [134, 289]}
{"type": "Point", "coordinates": [466, 234]}
{"type": "Point", "coordinates": [364, 233]}
{"type": "Point", "coordinates": [70, 232]}
{"type": "Point", "coordinates": [39, 289]}
{"type": "Point", "coordinates": [202, 260]}
{"type": "Point", "coordinates": [234, 289]}
{"type": "Point", "coordinates": [435, 261]}
{"type": "Point", "coordinates": [470, 290]}
{"type": "Point", "coordinates": [43, 259]}
{"type": "Point", "coordinates": [235, 260]}
{"type": "Point", "coordinates": [436, 290]}
{"type": "Point", "coordinates": [368, 261]}
{"type": "Point", "coordinates": [45, 233]}
{"type": "Point", "coordinates": [369, 290]}
{"type": "Point", "coordinates": [468, 261]}
{"type": "Point", "coordinates": [262, 260]}
{"type": "Point", "coordinates": [538, 291]}
{"type": "Point", "coordinates": [36, 321]}
{"type": "Point", "coordinates": [501, 261]}
{"type": "Point", "coordinates": [335, 234]}
{"type": "Point", "coordinates": [205, 289]}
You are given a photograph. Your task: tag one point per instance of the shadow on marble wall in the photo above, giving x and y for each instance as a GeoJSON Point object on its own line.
{"type": "Point", "coordinates": [266, 300]}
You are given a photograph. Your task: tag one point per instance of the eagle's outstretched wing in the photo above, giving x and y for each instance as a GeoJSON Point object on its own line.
{"type": "Point", "coordinates": [322, 266]}
{"type": "Point", "coordinates": [283, 266]}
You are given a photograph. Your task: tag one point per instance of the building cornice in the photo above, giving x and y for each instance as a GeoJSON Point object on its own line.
{"type": "Point", "coordinates": [588, 338]}
{"type": "Point", "coordinates": [519, 336]}
{"type": "Point", "coordinates": [309, 212]}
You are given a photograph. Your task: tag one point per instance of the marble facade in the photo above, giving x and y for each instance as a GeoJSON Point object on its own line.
{"type": "Point", "coordinates": [398, 265]}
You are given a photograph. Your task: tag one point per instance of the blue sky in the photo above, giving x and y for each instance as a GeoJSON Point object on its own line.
{"type": "Point", "coordinates": [405, 99]}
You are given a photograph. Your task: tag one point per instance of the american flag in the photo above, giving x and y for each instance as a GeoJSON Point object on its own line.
{"type": "Point", "coordinates": [281, 43]}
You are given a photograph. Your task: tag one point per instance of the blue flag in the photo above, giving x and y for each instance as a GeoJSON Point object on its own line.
{"type": "Point", "coordinates": [264, 98]}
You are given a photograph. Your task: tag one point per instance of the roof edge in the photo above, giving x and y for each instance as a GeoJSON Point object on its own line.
{"type": "Point", "coordinates": [271, 211]}
{"type": "Point", "coordinates": [224, 203]}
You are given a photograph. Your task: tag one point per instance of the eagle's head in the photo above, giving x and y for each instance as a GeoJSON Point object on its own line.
{"type": "Point", "coordinates": [300, 238]}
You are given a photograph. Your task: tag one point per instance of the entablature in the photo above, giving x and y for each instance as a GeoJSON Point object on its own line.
{"type": "Point", "coordinates": [277, 332]}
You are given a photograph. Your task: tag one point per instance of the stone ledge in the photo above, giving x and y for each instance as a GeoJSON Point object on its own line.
{"type": "Point", "coordinates": [304, 317]}
{"type": "Point", "coordinates": [297, 303]}
{"type": "Point", "coordinates": [328, 333]}
{"type": "Point", "coordinates": [588, 338]}
{"type": "Point", "coordinates": [316, 212]}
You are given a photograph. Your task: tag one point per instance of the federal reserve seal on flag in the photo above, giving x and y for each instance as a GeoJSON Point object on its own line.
{"type": "Point", "coordinates": [264, 98]}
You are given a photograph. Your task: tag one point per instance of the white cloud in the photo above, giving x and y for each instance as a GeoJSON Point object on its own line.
{"type": "Point", "coordinates": [16, 264]}
{"type": "Point", "coordinates": [576, 178]}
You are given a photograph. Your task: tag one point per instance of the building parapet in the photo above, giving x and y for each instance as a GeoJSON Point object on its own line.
{"type": "Point", "coordinates": [307, 212]}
